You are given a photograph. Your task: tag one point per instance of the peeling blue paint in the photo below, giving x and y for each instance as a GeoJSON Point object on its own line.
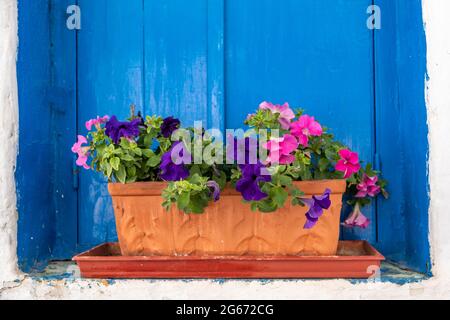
{"type": "Point", "coordinates": [34, 165]}
{"type": "Point", "coordinates": [402, 134]}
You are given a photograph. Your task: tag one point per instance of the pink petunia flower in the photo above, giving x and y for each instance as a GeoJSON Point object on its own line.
{"type": "Point", "coordinates": [306, 127]}
{"type": "Point", "coordinates": [96, 122]}
{"type": "Point", "coordinates": [280, 149]}
{"type": "Point", "coordinates": [349, 163]}
{"type": "Point", "coordinates": [79, 144]}
{"type": "Point", "coordinates": [368, 187]}
{"type": "Point", "coordinates": [357, 219]}
{"type": "Point", "coordinates": [83, 152]}
{"type": "Point", "coordinates": [286, 113]}
{"type": "Point", "coordinates": [82, 161]}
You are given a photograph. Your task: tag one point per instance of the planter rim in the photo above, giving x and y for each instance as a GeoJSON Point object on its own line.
{"type": "Point", "coordinates": [155, 188]}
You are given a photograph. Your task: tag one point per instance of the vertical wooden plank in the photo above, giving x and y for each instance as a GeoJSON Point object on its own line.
{"type": "Point", "coordinates": [62, 100]}
{"type": "Point", "coordinates": [34, 162]}
{"type": "Point", "coordinates": [391, 219]}
{"type": "Point", "coordinates": [412, 70]}
{"type": "Point", "coordinates": [317, 55]}
{"type": "Point", "coordinates": [216, 64]}
{"type": "Point", "coordinates": [402, 133]}
{"type": "Point", "coordinates": [176, 60]}
{"type": "Point", "coordinates": [110, 79]}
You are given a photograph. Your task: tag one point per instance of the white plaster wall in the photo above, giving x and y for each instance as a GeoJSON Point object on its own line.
{"type": "Point", "coordinates": [437, 25]}
{"type": "Point", "coordinates": [438, 104]}
{"type": "Point", "coordinates": [8, 138]}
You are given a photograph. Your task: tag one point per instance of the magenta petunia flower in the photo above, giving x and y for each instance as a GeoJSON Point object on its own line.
{"type": "Point", "coordinates": [285, 112]}
{"type": "Point", "coordinates": [96, 122]}
{"type": "Point", "coordinates": [280, 149]}
{"type": "Point", "coordinates": [306, 127]}
{"type": "Point", "coordinates": [83, 152]}
{"type": "Point", "coordinates": [357, 219]}
{"type": "Point", "coordinates": [316, 207]}
{"type": "Point", "coordinates": [349, 163]}
{"type": "Point", "coordinates": [368, 187]}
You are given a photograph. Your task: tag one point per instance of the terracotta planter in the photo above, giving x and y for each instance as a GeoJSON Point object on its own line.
{"type": "Point", "coordinates": [228, 227]}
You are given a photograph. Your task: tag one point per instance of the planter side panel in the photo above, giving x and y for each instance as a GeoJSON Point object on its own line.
{"type": "Point", "coordinates": [228, 227]}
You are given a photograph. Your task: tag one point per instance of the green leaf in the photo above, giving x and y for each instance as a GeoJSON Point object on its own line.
{"type": "Point", "coordinates": [195, 179]}
{"type": "Point", "coordinates": [306, 175]}
{"type": "Point", "coordinates": [222, 180]}
{"type": "Point", "coordinates": [131, 179]}
{"type": "Point", "coordinates": [109, 169]}
{"type": "Point", "coordinates": [195, 169]}
{"type": "Point", "coordinates": [154, 161]}
{"type": "Point", "coordinates": [331, 154]}
{"type": "Point", "coordinates": [137, 152]}
{"type": "Point", "coordinates": [148, 140]}
{"type": "Point", "coordinates": [285, 181]}
{"type": "Point", "coordinates": [183, 200]}
{"type": "Point", "coordinates": [323, 164]}
{"type": "Point", "coordinates": [296, 193]}
{"type": "Point", "coordinates": [279, 196]}
{"type": "Point", "coordinates": [148, 153]}
{"type": "Point", "coordinates": [121, 174]}
{"type": "Point", "coordinates": [115, 163]}
{"type": "Point", "coordinates": [166, 205]}
{"type": "Point", "coordinates": [131, 171]}
{"type": "Point", "coordinates": [127, 158]}
{"type": "Point", "coordinates": [267, 206]}
{"type": "Point", "coordinates": [198, 204]}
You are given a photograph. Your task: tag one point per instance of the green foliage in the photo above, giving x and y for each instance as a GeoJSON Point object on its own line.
{"type": "Point", "coordinates": [278, 190]}
{"type": "Point", "coordinates": [130, 160]}
{"type": "Point", "coordinates": [263, 119]}
{"type": "Point", "coordinates": [190, 196]}
{"type": "Point", "coordinates": [139, 159]}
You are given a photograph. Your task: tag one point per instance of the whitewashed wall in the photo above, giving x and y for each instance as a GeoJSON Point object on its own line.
{"type": "Point", "coordinates": [438, 103]}
{"type": "Point", "coordinates": [8, 138]}
{"type": "Point", "coordinates": [437, 24]}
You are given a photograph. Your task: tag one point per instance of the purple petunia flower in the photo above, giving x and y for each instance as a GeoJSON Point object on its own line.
{"type": "Point", "coordinates": [248, 185]}
{"type": "Point", "coordinates": [169, 126]}
{"type": "Point", "coordinates": [215, 189]}
{"type": "Point", "coordinates": [316, 206]}
{"type": "Point", "coordinates": [171, 171]}
{"type": "Point", "coordinates": [117, 130]}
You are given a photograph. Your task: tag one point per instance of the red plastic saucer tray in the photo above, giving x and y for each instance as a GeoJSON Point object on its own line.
{"type": "Point", "coordinates": [355, 260]}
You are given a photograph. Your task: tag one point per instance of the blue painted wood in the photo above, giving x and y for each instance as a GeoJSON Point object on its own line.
{"type": "Point", "coordinates": [176, 58]}
{"type": "Point", "coordinates": [185, 62]}
{"type": "Point", "coordinates": [216, 64]}
{"type": "Point", "coordinates": [34, 162]}
{"type": "Point", "coordinates": [110, 79]}
{"type": "Point", "coordinates": [216, 60]}
{"type": "Point", "coordinates": [63, 103]}
{"type": "Point", "coordinates": [316, 55]}
{"type": "Point", "coordinates": [402, 134]}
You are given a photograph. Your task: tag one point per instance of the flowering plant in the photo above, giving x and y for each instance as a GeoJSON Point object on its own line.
{"type": "Point", "coordinates": [282, 146]}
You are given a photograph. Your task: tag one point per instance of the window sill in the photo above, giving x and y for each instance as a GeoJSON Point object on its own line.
{"type": "Point", "coordinates": [61, 280]}
{"type": "Point", "coordinates": [389, 273]}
